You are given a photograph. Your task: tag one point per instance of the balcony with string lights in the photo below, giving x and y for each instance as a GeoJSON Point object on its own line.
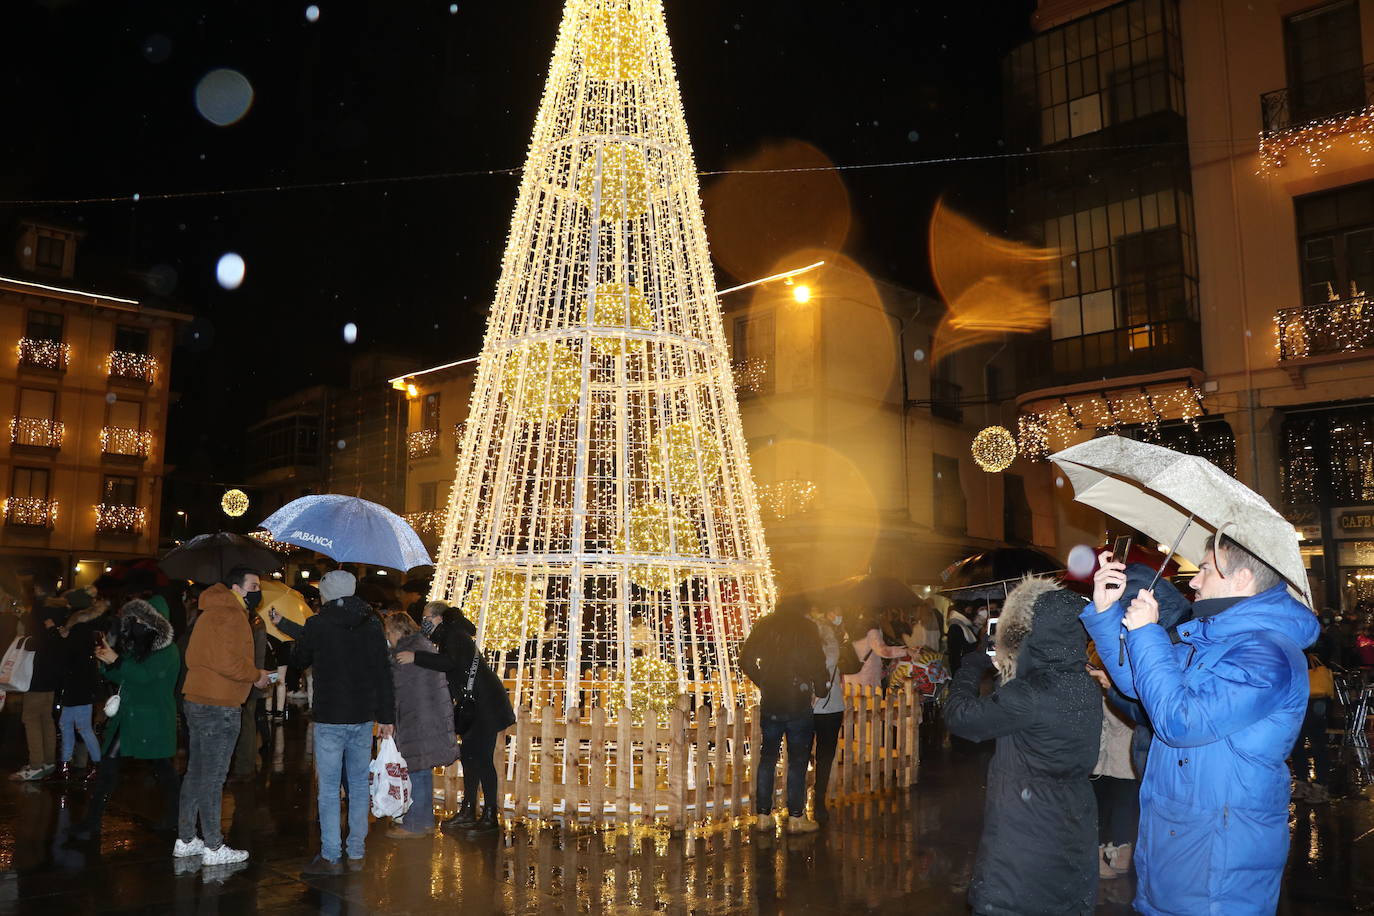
{"type": "Point", "coordinates": [37, 433]}
{"type": "Point", "coordinates": [39, 353]}
{"type": "Point", "coordinates": [423, 443]}
{"type": "Point", "coordinates": [127, 521]}
{"type": "Point", "coordinates": [132, 368]}
{"type": "Point", "coordinates": [33, 512]}
{"type": "Point", "coordinates": [1335, 331]}
{"type": "Point", "coordinates": [1307, 119]}
{"type": "Point", "coordinates": [129, 445]}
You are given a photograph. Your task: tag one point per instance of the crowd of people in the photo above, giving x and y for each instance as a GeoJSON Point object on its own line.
{"type": "Point", "coordinates": [111, 670]}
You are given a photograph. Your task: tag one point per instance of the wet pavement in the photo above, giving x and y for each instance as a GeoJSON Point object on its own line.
{"type": "Point", "coordinates": [910, 853]}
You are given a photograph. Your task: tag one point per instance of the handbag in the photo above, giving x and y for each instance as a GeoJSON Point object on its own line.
{"type": "Point", "coordinates": [465, 709]}
{"type": "Point", "coordinates": [16, 669]}
{"type": "Point", "coordinates": [111, 706]}
{"type": "Point", "coordinates": [1320, 684]}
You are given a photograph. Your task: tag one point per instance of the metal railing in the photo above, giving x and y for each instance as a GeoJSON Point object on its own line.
{"type": "Point", "coordinates": [37, 432]}
{"type": "Point", "coordinates": [1338, 326]}
{"type": "Point", "coordinates": [132, 367]}
{"type": "Point", "coordinates": [44, 354]}
{"type": "Point", "coordinates": [115, 519]}
{"type": "Point", "coordinates": [1339, 95]}
{"type": "Point", "coordinates": [30, 512]}
{"type": "Point", "coordinates": [127, 443]}
{"type": "Point", "coordinates": [422, 443]}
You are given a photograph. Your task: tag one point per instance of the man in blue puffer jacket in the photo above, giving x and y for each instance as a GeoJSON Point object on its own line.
{"type": "Point", "coordinates": [1226, 704]}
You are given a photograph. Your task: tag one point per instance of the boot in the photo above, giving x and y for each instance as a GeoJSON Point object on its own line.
{"type": "Point", "coordinates": [62, 773]}
{"type": "Point", "coordinates": [93, 771]}
{"type": "Point", "coordinates": [1121, 862]}
{"type": "Point", "coordinates": [1104, 861]}
{"type": "Point", "coordinates": [465, 817]}
{"type": "Point", "coordinates": [486, 824]}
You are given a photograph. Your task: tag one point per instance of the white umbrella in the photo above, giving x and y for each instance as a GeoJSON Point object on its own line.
{"type": "Point", "coordinates": [1156, 490]}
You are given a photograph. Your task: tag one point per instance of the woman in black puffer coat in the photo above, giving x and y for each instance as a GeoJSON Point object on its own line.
{"type": "Point", "coordinates": [1038, 854]}
{"type": "Point", "coordinates": [452, 633]}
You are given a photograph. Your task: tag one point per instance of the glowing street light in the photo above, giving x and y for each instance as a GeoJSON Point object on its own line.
{"type": "Point", "coordinates": [801, 293]}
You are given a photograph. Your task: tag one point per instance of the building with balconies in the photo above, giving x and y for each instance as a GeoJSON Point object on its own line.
{"type": "Point", "coordinates": [1208, 179]}
{"type": "Point", "coordinates": [87, 385]}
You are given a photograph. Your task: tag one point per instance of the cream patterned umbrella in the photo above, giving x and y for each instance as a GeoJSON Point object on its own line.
{"type": "Point", "coordinates": [1155, 490]}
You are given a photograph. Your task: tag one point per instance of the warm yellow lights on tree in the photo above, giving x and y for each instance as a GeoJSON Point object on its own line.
{"type": "Point", "coordinates": [994, 449]}
{"type": "Point", "coordinates": [655, 691]}
{"type": "Point", "coordinates": [234, 503]}
{"type": "Point", "coordinates": [604, 447]}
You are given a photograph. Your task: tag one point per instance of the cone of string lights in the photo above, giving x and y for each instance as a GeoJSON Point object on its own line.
{"type": "Point", "coordinates": [603, 483]}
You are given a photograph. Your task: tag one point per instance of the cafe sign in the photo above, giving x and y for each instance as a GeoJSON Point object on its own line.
{"type": "Point", "coordinates": [1355, 522]}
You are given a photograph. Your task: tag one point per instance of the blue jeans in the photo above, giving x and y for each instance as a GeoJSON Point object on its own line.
{"type": "Point", "coordinates": [78, 719]}
{"type": "Point", "coordinates": [342, 751]}
{"type": "Point", "coordinates": [799, 731]}
{"type": "Point", "coordinates": [420, 816]}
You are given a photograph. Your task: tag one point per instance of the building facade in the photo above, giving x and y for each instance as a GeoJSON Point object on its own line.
{"type": "Point", "coordinates": [1211, 194]}
{"type": "Point", "coordinates": [87, 385]}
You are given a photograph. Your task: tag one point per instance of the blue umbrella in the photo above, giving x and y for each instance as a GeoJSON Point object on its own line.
{"type": "Point", "coordinates": [349, 530]}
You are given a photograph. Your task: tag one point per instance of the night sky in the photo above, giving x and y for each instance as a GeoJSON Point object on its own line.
{"type": "Point", "coordinates": [99, 100]}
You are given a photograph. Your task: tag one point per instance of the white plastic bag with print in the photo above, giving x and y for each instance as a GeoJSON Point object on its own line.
{"type": "Point", "coordinates": [390, 778]}
{"type": "Point", "coordinates": [16, 668]}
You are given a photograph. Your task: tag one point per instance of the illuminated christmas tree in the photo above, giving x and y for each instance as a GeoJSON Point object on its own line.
{"type": "Point", "coordinates": [603, 527]}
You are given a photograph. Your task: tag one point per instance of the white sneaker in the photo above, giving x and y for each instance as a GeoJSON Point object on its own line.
{"type": "Point", "coordinates": [224, 855]}
{"type": "Point", "coordinates": [764, 823]}
{"type": "Point", "coordinates": [183, 848]}
{"type": "Point", "coordinates": [802, 825]}
{"type": "Point", "coordinates": [22, 775]}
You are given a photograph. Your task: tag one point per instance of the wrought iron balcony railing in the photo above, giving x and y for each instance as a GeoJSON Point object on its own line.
{"type": "Point", "coordinates": [30, 512]}
{"type": "Point", "coordinates": [1335, 97]}
{"type": "Point", "coordinates": [426, 521]}
{"type": "Point", "coordinates": [126, 443]}
{"type": "Point", "coordinates": [423, 443]}
{"type": "Point", "coordinates": [786, 498]}
{"type": "Point", "coordinates": [1337, 326]}
{"type": "Point", "coordinates": [37, 432]}
{"type": "Point", "coordinates": [120, 519]}
{"type": "Point", "coordinates": [753, 376]}
{"type": "Point", "coordinates": [132, 367]}
{"type": "Point", "coordinates": [44, 354]}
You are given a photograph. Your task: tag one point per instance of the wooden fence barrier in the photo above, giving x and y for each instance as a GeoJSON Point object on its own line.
{"type": "Point", "coordinates": [579, 766]}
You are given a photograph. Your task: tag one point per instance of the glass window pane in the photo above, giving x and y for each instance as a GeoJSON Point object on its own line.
{"type": "Point", "coordinates": [1065, 320]}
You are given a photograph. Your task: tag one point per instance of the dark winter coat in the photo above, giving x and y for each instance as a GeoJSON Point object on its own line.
{"type": "Point", "coordinates": [49, 652]}
{"type": "Point", "coordinates": [1226, 703]}
{"type": "Point", "coordinates": [1038, 854]}
{"type": "Point", "coordinates": [455, 651]}
{"type": "Point", "coordinates": [785, 658]}
{"type": "Point", "coordinates": [424, 710]}
{"type": "Point", "coordinates": [146, 724]}
{"type": "Point", "coordinates": [345, 645]}
{"type": "Point", "coordinates": [78, 639]}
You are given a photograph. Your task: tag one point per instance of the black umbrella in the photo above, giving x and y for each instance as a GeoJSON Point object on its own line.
{"type": "Point", "coordinates": [207, 558]}
{"type": "Point", "coordinates": [989, 570]}
{"type": "Point", "coordinates": [875, 592]}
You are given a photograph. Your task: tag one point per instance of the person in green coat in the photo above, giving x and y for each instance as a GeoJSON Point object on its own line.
{"type": "Point", "coordinates": [143, 664]}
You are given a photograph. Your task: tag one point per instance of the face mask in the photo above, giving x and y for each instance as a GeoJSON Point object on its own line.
{"type": "Point", "coordinates": [427, 625]}
{"type": "Point", "coordinates": [252, 600]}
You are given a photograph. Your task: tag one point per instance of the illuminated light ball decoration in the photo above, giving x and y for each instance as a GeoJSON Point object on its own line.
{"type": "Point", "coordinates": [514, 609]}
{"type": "Point", "coordinates": [620, 305]}
{"type": "Point", "coordinates": [625, 181]}
{"type": "Point", "coordinates": [605, 331]}
{"type": "Point", "coordinates": [656, 528]}
{"type": "Point", "coordinates": [542, 381]}
{"type": "Point", "coordinates": [994, 449]}
{"type": "Point", "coordinates": [234, 503]}
{"type": "Point", "coordinates": [655, 692]}
{"type": "Point", "coordinates": [692, 465]}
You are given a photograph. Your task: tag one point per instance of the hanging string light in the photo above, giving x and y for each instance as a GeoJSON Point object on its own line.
{"type": "Point", "coordinates": [691, 466]}
{"type": "Point", "coordinates": [1316, 139]}
{"type": "Point", "coordinates": [514, 609]}
{"type": "Point", "coordinates": [543, 381]}
{"type": "Point", "coordinates": [120, 519]}
{"type": "Point", "coordinates": [1039, 433]}
{"type": "Point", "coordinates": [619, 305]}
{"type": "Point", "coordinates": [994, 449]}
{"type": "Point", "coordinates": [655, 689]}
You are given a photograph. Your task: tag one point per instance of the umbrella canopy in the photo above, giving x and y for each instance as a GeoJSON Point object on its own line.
{"type": "Point", "coordinates": [1155, 490]}
{"type": "Point", "coordinates": [876, 592]}
{"type": "Point", "coordinates": [349, 530]}
{"type": "Point", "coordinates": [992, 567]}
{"type": "Point", "coordinates": [285, 601]}
{"type": "Point", "coordinates": [207, 558]}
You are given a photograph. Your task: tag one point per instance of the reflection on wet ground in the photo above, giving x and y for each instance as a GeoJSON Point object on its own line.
{"type": "Point", "coordinates": [911, 853]}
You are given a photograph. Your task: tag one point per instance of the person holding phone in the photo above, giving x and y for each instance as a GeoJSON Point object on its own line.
{"type": "Point", "coordinates": [1226, 702]}
{"type": "Point", "coordinates": [1038, 853]}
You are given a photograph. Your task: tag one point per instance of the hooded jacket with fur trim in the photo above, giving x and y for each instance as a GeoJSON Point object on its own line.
{"type": "Point", "coordinates": [145, 674]}
{"type": "Point", "coordinates": [1038, 853]}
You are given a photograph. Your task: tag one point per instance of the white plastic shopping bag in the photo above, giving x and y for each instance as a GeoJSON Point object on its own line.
{"type": "Point", "coordinates": [390, 780]}
{"type": "Point", "coordinates": [16, 669]}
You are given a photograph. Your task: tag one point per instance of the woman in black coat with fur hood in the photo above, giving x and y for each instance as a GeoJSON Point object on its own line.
{"type": "Point", "coordinates": [1038, 854]}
